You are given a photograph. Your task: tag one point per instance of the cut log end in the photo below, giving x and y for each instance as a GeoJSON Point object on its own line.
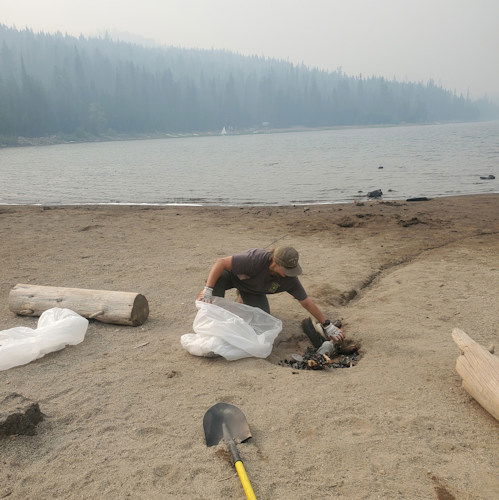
{"type": "Point", "coordinates": [140, 310]}
{"type": "Point", "coordinates": [479, 370]}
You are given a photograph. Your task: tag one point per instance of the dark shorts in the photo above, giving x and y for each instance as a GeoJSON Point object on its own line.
{"type": "Point", "coordinates": [228, 280]}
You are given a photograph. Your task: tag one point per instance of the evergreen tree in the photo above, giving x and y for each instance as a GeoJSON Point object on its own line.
{"type": "Point", "coordinates": [55, 83]}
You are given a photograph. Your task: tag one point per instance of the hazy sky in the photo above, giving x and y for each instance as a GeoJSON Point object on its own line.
{"type": "Point", "coordinates": [455, 42]}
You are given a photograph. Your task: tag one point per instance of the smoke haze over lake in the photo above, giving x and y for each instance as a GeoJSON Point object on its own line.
{"type": "Point", "coordinates": [453, 42]}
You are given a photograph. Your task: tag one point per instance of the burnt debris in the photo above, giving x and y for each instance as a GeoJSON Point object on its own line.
{"type": "Point", "coordinates": [346, 356]}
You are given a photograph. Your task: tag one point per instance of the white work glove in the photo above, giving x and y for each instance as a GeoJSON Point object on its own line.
{"type": "Point", "coordinates": [332, 332]}
{"type": "Point", "coordinates": [207, 294]}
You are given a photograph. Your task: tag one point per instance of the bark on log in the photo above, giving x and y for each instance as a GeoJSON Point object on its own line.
{"type": "Point", "coordinates": [122, 308]}
{"type": "Point", "coordinates": [479, 370]}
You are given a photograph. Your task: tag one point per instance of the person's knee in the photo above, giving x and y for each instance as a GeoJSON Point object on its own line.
{"type": "Point", "coordinates": [223, 283]}
{"type": "Point", "coordinates": [254, 300]}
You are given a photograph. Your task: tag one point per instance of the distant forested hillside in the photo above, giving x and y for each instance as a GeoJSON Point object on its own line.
{"type": "Point", "coordinates": [59, 84]}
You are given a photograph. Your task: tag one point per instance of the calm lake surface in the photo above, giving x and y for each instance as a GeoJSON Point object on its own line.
{"type": "Point", "coordinates": [326, 166]}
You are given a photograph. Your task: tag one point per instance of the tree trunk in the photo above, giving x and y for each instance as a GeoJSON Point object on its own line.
{"type": "Point", "coordinates": [479, 370]}
{"type": "Point", "coordinates": [122, 308]}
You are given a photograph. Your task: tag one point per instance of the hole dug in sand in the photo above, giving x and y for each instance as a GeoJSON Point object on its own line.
{"type": "Point", "coordinates": [308, 352]}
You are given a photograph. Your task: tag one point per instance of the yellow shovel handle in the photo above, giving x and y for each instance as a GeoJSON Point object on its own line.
{"type": "Point", "coordinates": [243, 477]}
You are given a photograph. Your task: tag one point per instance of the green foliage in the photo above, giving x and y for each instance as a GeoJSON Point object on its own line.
{"type": "Point", "coordinates": [86, 87]}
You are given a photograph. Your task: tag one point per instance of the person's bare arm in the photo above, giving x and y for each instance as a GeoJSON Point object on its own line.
{"type": "Point", "coordinates": [220, 265]}
{"type": "Point", "coordinates": [310, 306]}
{"type": "Point", "coordinates": [216, 271]}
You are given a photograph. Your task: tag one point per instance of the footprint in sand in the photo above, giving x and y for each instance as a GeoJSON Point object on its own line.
{"type": "Point", "coordinates": [148, 431]}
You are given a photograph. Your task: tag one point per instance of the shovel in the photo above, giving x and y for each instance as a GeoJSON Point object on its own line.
{"type": "Point", "coordinates": [227, 422]}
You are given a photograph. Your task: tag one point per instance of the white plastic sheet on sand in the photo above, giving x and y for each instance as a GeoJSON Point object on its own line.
{"type": "Point", "coordinates": [232, 330]}
{"type": "Point", "coordinates": [56, 328]}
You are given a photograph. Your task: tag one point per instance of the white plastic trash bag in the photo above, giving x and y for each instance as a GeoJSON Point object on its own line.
{"type": "Point", "coordinates": [56, 328]}
{"type": "Point", "coordinates": [232, 330]}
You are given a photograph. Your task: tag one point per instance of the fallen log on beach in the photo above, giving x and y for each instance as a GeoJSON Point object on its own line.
{"type": "Point", "coordinates": [121, 308]}
{"type": "Point", "coordinates": [479, 370]}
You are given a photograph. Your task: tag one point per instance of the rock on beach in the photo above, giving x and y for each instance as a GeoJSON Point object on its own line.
{"type": "Point", "coordinates": [19, 415]}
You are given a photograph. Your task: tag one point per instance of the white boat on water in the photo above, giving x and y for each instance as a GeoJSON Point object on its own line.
{"type": "Point", "coordinates": [223, 132]}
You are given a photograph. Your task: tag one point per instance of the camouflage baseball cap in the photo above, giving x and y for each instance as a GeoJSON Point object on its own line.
{"type": "Point", "coordinates": [287, 257]}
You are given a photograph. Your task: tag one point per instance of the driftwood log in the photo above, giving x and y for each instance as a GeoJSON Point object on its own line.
{"type": "Point", "coordinates": [122, 308]}
{"type": "Point", "coordinates": [479, 370]}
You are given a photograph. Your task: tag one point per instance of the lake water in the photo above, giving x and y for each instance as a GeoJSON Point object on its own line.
{"type": "Point", "coordinates": [326, 166]}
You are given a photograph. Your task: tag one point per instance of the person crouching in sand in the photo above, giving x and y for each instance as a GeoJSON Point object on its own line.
{"type": "Point", "coordinates": [258, 272]}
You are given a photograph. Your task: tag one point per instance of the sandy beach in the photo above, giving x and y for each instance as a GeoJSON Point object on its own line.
{"type": "Point", "coordinates": [124, 408]}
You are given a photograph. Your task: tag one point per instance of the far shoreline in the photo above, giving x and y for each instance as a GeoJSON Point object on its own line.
{"type": "Point", "coordinates": [57, 139]}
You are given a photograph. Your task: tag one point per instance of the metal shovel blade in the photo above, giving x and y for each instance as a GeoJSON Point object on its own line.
{"type": "Point", "coordinates": [225, 417]}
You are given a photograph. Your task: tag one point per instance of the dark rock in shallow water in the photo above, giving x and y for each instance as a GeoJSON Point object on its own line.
{"type": "Point", "coordinates": [420, 198]}
{"type": "Point", "coordinates": [18, 415]}
{"type": "Point", "coordinates": [377, 193]}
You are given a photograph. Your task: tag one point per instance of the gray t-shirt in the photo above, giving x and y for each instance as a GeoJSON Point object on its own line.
{"type": "Point", "coordinates": [251, 269]}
